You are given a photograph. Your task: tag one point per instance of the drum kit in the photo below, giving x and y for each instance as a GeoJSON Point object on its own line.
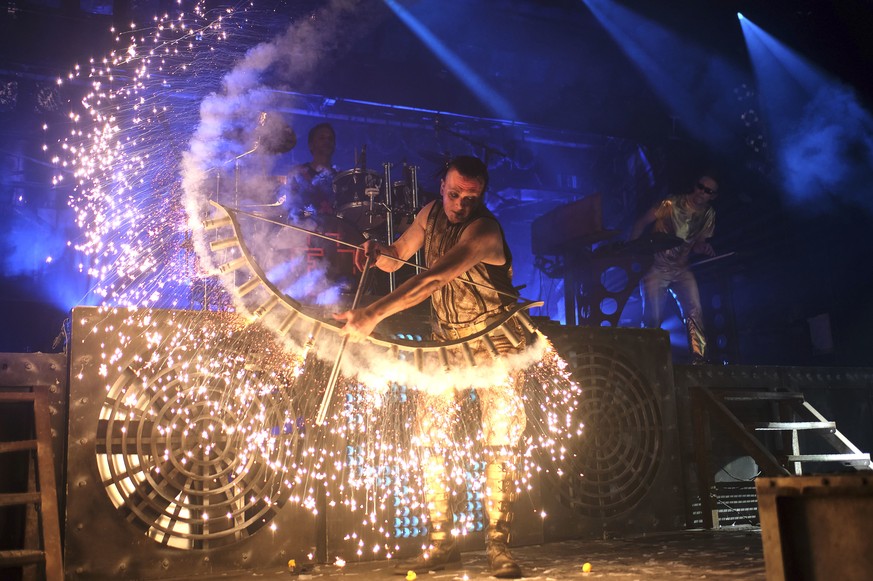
{"type": "Point", "coordinates": [368, 205]}
{"type": "Point", "coordinates": [376, 205]}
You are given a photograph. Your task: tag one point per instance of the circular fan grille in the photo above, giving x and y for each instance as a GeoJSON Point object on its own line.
{"type": "Point", "coordinates": [188, 460]}
{"type": "Point", "coordinates": [617, 457]}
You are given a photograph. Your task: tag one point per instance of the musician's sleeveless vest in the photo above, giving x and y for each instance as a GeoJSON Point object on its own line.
{"type": "Point", "coordinates": [460, 308]}
{"type": "Point", "coordinates": [676, 216]}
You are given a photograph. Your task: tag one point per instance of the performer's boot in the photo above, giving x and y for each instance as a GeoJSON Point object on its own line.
{"type": "Point", "coordinates": [443, 547]}
{"type": "Point", "coordinates": [697, 342]}
{"type": "Point", "coordinates": [500, 496]}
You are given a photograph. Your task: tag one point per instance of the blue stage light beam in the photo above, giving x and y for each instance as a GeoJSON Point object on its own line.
{"type": "Point", "coordinates": [820, 132]}
{"type": "Point", "coordinates": [695, 84]}
{"type": "Point", "coordinates": [464, 73]}
{"type": "Point", "coordinates": [675, 326]}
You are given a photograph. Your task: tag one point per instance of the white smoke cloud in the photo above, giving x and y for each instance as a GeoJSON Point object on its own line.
{"type": "Point", "coordinates": [223, 161]}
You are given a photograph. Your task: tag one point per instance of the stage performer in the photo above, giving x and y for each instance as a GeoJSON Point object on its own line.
{"type": "Point", "coordinates": [311, 183]}
{"type": "Point", "coordinates": [691, 218]}
{"type": "Point", "coordinates": [462, 240]}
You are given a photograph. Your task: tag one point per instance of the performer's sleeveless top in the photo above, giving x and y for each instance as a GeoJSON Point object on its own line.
{"type": "Point", "coordinates": [676, 216]}
{"type": "Point", "coordinates": [458, 305]}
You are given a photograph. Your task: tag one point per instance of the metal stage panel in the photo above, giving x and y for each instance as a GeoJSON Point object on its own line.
{"type": "Point", "coordinates": [21, 371]}
{"type": "Point", "coordinates": [627, 477]}
{"type": "Point", "coordinates": [160, 480]}
{"type": "Point", "coordinates": [147, 500]}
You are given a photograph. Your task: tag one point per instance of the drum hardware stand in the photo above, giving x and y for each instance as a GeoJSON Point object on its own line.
{"type": "Point", "coordinates": [236, 172]}
{"type": "Point", "coordinates": [413, 188]}
{"type": "Point", "coordinates": [390, 212]}
{"type": "Point", "coordinates": [275, 204]}
{"type": "Point", "coordinates": [389, 218]}
{"type": "Point", "coordinates": [371, 193]}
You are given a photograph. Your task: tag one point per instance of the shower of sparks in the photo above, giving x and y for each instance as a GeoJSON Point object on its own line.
{"type": "Point", "coordinates": [214, 396]}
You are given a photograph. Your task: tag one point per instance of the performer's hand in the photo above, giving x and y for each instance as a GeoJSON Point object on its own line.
{"type": "Point", "coordinates": [371, 249]}
{"type": "Point", "coordinates": [359, 323]}
{"type": "Point", "coordinates": [704, 247]}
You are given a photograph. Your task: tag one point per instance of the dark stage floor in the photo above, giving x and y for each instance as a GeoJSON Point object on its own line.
{"type": "Point", "coordinates": [722, 554]}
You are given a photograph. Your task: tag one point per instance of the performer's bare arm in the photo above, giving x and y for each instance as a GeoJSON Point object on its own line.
{"type": "Point", "coordinates": [703, 246]}
{"type": "Point", "coordinates": [403, 248]}
{"type": "Point", "coordinates": [481, 241]}
{"type": "Point", "coordinates": [641, 223]}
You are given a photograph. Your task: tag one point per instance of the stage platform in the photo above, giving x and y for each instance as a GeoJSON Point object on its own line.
{"type": "Point", "coordinates": [734, 553]}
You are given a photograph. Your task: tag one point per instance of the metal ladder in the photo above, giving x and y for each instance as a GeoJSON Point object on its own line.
{"type": "Point", "coordinates": [794, 416]}
{"type": "Point", "coordinates": [42, 490]}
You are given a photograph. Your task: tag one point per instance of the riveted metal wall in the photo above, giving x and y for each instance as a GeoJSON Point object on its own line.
{"type": "Point", "coordinates": [626, 476]}
{"type": "Point", "coordinates": [126, 508]}
{"type": "Point", "coordinates": [20, 372]}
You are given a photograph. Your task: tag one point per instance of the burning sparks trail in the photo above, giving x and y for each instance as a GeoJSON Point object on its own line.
{"type": "Point", "coordinates": [221, 379]}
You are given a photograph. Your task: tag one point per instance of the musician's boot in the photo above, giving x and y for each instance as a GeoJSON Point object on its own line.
{"type": "Point", "coordinates": [696, 338]}
{"type": "Point", "coordinates": [443, 547]}
{"type": "Point", "coordinates": [500, 496]}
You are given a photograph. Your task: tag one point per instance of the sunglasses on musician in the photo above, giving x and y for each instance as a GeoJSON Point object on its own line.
{"type": "Point", "coordinates": [706, 190]}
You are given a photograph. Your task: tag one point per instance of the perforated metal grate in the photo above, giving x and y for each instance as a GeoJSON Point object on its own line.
{"type": "Point", "coordinates": [182, 451]}
{"type": "Point", "coordinates": [617, 458]}
{"type": "Point", "coordinates": [185, 448]}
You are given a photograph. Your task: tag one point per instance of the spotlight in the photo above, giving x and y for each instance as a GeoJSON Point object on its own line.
{"type": "Point", "coordinates": [740, 16]}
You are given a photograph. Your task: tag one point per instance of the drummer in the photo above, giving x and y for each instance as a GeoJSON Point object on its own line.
{"type": "Point", "coordinates": [311, 183]}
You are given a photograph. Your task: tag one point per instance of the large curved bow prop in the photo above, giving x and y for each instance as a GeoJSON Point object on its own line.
{"type": "Point", "coordinates": [293, 314]}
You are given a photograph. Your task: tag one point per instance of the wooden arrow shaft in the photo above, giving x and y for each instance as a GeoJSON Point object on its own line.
{"type": "Point", "coordinates": [334, 373]}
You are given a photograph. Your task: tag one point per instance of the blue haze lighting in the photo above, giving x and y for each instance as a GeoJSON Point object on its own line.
{"type": "Point", "coordinates": [34, 249]}
{"type": "Point", "coordinates": [27, 242]}
{"type": "Point", "coordinates": [821, 133]}
{"type": "Point", "coordinates": [675, 326]}
{"type": "Point", "coordinates": [462, 71]}
{"type": "Point", "coordinates": [693, 83]}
